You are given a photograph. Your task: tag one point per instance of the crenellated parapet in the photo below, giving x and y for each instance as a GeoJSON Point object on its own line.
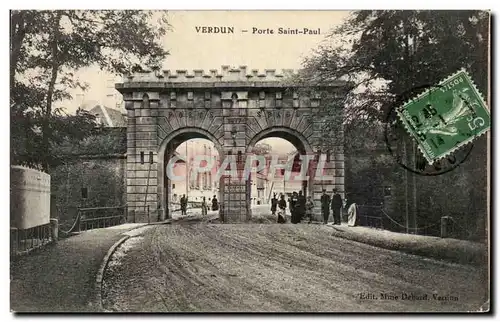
{"type": "Point", "coordinates": [225, 74]}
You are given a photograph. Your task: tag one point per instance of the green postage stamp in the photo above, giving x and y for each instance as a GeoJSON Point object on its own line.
{"type": "Point", "coordinates": [446, 116]}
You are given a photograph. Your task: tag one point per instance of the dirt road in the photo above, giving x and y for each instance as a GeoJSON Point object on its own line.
{"type": "Point", "coordinates": [196, 266]}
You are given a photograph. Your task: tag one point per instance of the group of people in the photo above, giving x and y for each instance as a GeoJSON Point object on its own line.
{"type": "Point", "coordinates": [334, 203]}
{"type": "Point", "coordinates": [204, 205]}
{"type": "Point", "coordinates": [300, 207]}
{"type": "Point", "coordinates": [281, 204]}
{"type": "Point", "coordinates": [303, 208]}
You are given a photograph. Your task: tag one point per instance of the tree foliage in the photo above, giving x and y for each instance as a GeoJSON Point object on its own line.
{"type": "Point", "coordinates": [381, 55]}
{"type": "Point", "coordinates": [262, 149]}
{"type": "Point", "coordinates": [100, 141]}
{"type": "Point", "coordinates": [398, 51]}
{"type": "Point", "coordinates": [48, 47]}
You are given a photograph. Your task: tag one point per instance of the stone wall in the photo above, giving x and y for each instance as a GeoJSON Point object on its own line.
{"type": "Point", "coordinates": [460, 193]}
{"type": "Point", "coordinates": [102, 176]}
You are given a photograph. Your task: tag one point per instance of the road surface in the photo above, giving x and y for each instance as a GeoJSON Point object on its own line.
{"type": "Point", "coordinates": [198, 266]}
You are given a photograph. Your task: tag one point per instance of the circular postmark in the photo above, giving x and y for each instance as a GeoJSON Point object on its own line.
{"type": "Point", "coordinates": [407, 155]}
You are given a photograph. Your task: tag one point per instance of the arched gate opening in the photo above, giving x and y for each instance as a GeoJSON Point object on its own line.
{"type": "Point", "coordinates": [174, 180]}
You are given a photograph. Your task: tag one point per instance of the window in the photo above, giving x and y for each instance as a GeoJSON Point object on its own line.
{"type": "Point", "coordinates": [234, 100]}
{"type": "Point", "coordinates": [387, 191]}
{"type": "Point", "coordinates": [142, 157]}
{"type": "Point", "coordinates": [145, 101]}
{"type": "Point", "coordinates": [318, 155]}
{"type": "Point", "coordinates": [150, 157]}
{"type": "Point", "coordinates": [85, 194]}
{"type": "Point", "coordinates": [173, 186]}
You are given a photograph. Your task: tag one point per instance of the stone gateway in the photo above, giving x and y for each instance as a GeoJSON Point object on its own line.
{"type": "Point", "coordinates": [234, 108]}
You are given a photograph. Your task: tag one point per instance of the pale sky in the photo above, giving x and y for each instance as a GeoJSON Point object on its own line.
{"type": "Point", "coordinates": [278, 145]}
{"type": "Point", "coordinates": [192, 50]}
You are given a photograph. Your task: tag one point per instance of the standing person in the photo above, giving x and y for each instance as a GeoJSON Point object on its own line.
{"type": "Point", "coordinates": [183, 205]}
{"type": "Point", "coordinates": [309, 208]}
{"type": "Point", "coordinates": [274, 204]}
{"type": "Point", "coordinates": [294, 200]}
{"type": "Point", "coordinates": [215, 204]}
{"type": "Point", "coordinates": [336, 207]}
{"type": "Point", "coordinates": [204, 207]}
{"type": "Point", "coordinates": [282, 212]}
{"type": "Point", "coordinates": [301, 206]}
{"type": "Point", "coordinates": [325, 206]}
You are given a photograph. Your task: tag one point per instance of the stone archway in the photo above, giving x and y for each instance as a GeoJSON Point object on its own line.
{"type": "Point", "coordinates": [165, 152]}
{"type": "Point", "coordinates": [289, 134]}
{"type": "Point", "coordinates": [234, 108]}
{"type": "Point", "coordinates": [299, 141]}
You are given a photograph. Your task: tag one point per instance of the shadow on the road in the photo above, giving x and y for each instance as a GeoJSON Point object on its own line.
{"type": "Point", "coordinates": [260, 220]}
{"type": "Point", "coordinates": [188, 219]}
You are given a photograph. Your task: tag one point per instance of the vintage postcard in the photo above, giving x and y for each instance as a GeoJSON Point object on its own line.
{"type": "Point", "coordinates": [250, 161]}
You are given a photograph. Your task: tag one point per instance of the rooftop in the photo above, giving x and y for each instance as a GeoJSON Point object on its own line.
{"type": "Point", "coordinates": [109, 117]}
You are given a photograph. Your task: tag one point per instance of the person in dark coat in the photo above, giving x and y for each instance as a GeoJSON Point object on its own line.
{"type": "Point", "coordinates": [301, 206]}
{"type": "Point", "coordinates": [294, 207]}
{"type": "Point", "coordinates": [336, 207]}
{"type": "Point", "coordinates": [184, 203]}
{"type": "Point", "coordinates": [274, 204]}
{"type": "Point", "coordinates": [325, 206]}
{"type": "Point", "coordinates": [282, 207]}
{"type": "Point", "coordinates": [215, 204]}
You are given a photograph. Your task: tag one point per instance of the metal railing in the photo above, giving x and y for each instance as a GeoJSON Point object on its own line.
{"type": "Point", "coordinates": [97, 217]}
{"type": "Point", "coordinates": [446, 226]}
{"type": "Point", "coordinates": [101, 217]}
{"type": "Point", "coordinates": [370, 216]}
{"type": "Point", "coordinates": [23, 241]}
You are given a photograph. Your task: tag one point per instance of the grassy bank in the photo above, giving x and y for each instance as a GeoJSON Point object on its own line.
{"type": "Point", "coordinates": [453, 250]}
